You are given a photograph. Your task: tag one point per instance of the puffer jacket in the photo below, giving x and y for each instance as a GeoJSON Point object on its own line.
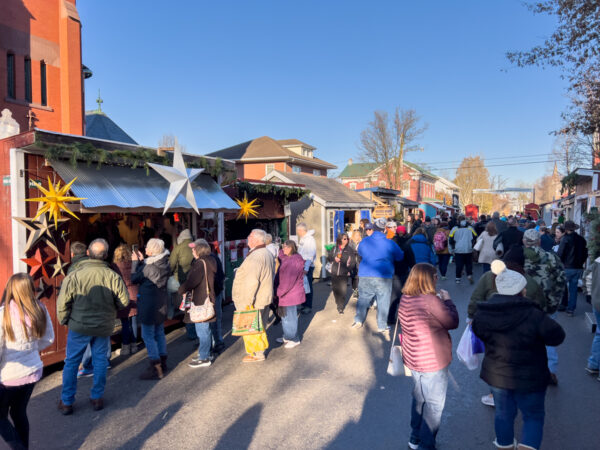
{"type": "Point", "coordinates": [253, 282]}
{"type": "Point", "coordinates": [90, 297]}
{"type": "Point", "coordinates": [152, 275]}
{"type": "Point", "coordinates": [487, 253]}
{"type": "Point", "coordinates": [461, 239]}
{"type": "Point", "coordinates": [515, 332]}
{"type": "Point", "coordinates": [422, 250]}
{"type": "Point", "coordinates": [548, 272]}
{"type": "Point", "coordinates": [290, 280]}
{"type": "Point", "coordinates": [347, 264]}
{"type": "Point", "coordinates": [196, 282]}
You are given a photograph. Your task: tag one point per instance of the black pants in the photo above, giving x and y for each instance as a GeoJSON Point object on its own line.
{"type": "Point", "coordinates": [339, 285]}
{"type": "Point", "coordinates": [13, 401]}
{"type": "Point", "coordinates": [463, 260]}
{"type": "Point", "coordinates": [354, 278]}
{"type": "Point", "coordinates": [397, 284]}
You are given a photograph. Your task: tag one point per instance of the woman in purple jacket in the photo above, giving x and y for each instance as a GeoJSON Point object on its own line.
{"type": "Point", "coordinates": [290, 291]}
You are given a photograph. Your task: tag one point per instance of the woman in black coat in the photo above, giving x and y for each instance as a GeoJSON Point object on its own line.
{"type": "Point", "coordinates": [152, 274]}
{"type": "Point", "coordinates": [515, 332]}
{"type": "Point", "coordinates": [343, 260]}
{"type": "Point", "coordinates": [201, 283]}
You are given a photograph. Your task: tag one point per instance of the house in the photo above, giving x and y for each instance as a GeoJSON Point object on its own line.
{"type": "Point", "coordinates": [257, 158]}
{"type": "Point", "coordinates": [329, 209]}
{"type": "Point", "coordinates": [389, 202]}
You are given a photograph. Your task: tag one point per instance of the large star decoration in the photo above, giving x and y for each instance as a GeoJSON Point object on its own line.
{"type": "Point", "coordinates": [247, 208]}
{"type": "Point", "coordinates": [179, 178]}
{"type": "Point", "coordinates": [54, 200]}
{"type": "Point", "coordinates": [59, 267]}
{"type": "Point", "coordinates": [39, 229]}
{"type": "Point", "coordinates": [37, 263]}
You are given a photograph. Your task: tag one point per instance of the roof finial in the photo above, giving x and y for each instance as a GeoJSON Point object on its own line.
{"type": "Point", "coordinates": [99, 101]}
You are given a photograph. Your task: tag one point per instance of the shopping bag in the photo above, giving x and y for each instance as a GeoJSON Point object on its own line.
{"type": "Point", "coordinates": [246, 322]}
{"type": "Point", "coordinates": [396, 365]}
{"type": "Point", "coordinates": [465, 350]}
{"type": "Point", "coordinates": [256, 342]}
{"type": "Point", "coordinates": [306, 285]}
{"type": "Point", "coordinates": [477, 344]}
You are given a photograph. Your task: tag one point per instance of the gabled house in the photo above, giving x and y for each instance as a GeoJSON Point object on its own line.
{"type": "Point", "coordinates": [257, 158]}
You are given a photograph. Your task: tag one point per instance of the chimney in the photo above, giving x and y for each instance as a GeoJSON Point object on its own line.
{"type": "Point", "coordinates": [350, 162]}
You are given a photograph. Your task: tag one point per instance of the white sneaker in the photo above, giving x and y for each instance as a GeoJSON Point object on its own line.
{"type": "Point", "coordinates": [292, 344]}
{"type": "Point", "coordinates": [356, 325]}
{"type": "Point", "coordinates": [488, 400]}
{"type": "Point", "coordinates": [413, 446]}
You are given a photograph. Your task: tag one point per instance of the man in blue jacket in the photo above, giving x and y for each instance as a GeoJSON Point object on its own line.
{"type": "Point", "coordinates": [375, 275]}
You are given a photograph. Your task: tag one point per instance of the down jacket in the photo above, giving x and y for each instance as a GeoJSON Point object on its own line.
{"type": "Point", "coordinates": [290, 280]}
{"type": "Point", "coordinates": [422, 250]}
{"type": "Point", "coordinates": [253, 282]}
{"type": "Point", "coordinates": [152, 275]}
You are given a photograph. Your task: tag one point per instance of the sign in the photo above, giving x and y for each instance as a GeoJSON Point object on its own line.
{"type": "Point", "coordinates": [6, 180]}
{"type": "Point", "coordinates": [383, 211]}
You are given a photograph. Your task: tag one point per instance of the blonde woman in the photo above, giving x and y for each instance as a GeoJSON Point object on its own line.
{"type": "Point", "coordinates": [26, 330]}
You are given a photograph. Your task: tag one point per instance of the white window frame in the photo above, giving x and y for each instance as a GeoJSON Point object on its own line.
{"type": "Point", "coordinates": [367, 185]}
{"type": "Point", "coordinates": [269, 168]}
{"type": "Point", "coordinates": [296, 169]}
{"type": "Point", "coordinates": [353, 186]}
{"type": "Point", "coordinates": [382, 184]}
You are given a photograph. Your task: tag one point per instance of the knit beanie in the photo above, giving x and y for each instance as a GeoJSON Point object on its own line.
{"type": "Point", "coordinates": [508, 282]}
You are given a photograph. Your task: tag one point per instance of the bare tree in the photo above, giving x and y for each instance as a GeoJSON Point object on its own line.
{"type": "Point", "coordinates": [385, 142]}
{"type": "Point", "coordinates": [571, 151]}
{"type": "Point", "coordinates": [472, 174]}
{"type": "Point", "coordinates": [169, 141]}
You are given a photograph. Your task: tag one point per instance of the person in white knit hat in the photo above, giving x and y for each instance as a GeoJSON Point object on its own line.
{"type": "Point", "coordinates": [515, 332]}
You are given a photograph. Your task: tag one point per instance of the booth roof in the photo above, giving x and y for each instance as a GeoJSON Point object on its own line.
{"type": "Point", "coordinates": [118, 189]}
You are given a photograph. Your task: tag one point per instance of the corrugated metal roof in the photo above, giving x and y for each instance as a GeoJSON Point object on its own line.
{"type": "Point", "coordinates": [126, 188]}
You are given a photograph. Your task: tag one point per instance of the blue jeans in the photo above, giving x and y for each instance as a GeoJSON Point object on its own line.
{"type": "Point", "coordinates": [531, 405]}
{"type": "Point", "coordinates": [87, 363]}
{"type": "Point", "coordinates": [443, 260]}
{"type": "Point", "coordinates": [378, 289]}
{"type": "Point", "coordinates": [76, 345]}
{"type": "Point", "coordinates": [309, 295]}
{"type": "Point", "coordinates": [204, 339]}
{"type": "Point", "coordinates": [155, 341]}
{"type": "Point", "coordinates": [485, 267]}
{"type": "Point", "coordinates": [215, 327]}
{"type": "Point", "coordinates": [429, 397]}
{"type": "Point", "coordinates": [573, 276]}
{"type": "Point", "coordinates": [552, 353]}
{"type": "Point", "coordinates": [289, 323]}
{"type": "Point", "coordinates": [594, 359]}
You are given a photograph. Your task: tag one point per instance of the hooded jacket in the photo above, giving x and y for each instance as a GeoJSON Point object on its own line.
{"type": "Point", "coordinates": [515, 332]}
{"type": "Point", "coordinates": [548, 272]}
{"type": "Point", "coordinates": [152, 275]}
{"type": "Point", "coordinates": [572, 251]}
{"type": "Point", "coordinates": [422, 250]}
{"type": "Point", "coordinates": [461, 238]}
{"type": "Point", "coordinates": [378, 255]}
{"type": "Point", "coordinates": [182, 256]}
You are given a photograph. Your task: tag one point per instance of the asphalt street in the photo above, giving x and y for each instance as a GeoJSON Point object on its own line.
{"type": "Point", "coordinates": [330, 392]}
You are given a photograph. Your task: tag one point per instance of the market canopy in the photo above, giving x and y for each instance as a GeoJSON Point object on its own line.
{"type": "Point", "coordinates": [119, 189]}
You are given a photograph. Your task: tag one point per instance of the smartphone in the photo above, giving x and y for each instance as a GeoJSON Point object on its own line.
{"type": "Point", "coordinates": [134, 248]}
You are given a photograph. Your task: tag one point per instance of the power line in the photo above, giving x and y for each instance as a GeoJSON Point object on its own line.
{"type": "Point", "coordinates": [494, 165]}
{"type": "Point", "coordinates": [490, 159]}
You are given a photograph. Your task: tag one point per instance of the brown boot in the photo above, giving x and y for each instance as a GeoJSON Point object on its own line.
{"type": "Point", "coordinates": [153, 372]}
{"type": "Point", "coordinates": [163, 363]}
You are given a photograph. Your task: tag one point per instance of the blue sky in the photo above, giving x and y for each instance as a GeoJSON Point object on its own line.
{"type": "Point", "coordinates": [219, 73]}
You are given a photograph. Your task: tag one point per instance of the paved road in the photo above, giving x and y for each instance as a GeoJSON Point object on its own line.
{"type": "Point", "coordinates": [330, 392]}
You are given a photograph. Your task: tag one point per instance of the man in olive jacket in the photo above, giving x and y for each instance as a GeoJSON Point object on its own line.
{"type": "Point", "coordinates": [253, 283]}
{"type": "Point", "coordinates": [88, 302]}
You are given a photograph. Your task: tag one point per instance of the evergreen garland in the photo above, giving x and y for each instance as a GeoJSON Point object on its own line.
{"type": "Point", "coordinates": [286, 193]}
{"type": "Point", "coordinates": [593, 238]}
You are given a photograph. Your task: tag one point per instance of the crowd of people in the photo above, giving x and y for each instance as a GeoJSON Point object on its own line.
{"type": "Point", "coordinates": [529, 273]}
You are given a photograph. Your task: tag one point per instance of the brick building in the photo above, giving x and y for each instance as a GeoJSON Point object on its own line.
{"type": "Point", "coordinates": [41, 72]}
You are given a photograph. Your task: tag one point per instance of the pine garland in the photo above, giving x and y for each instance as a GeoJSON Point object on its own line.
{"type": "Point", "coordinates": [593, 238]}
{"type": "Point", "coordinates": [286, 193]}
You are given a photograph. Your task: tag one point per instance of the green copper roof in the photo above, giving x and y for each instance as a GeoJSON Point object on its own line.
{"type": "Point", "coordinates": [357, 170]}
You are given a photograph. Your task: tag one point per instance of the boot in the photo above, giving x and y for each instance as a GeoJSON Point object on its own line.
{"type": "Point", "coordinates": [153, 372]}
{"type": "Point", "coordinates": [163, 363]}
{"type": "Point", "coordinates": [125, 350]}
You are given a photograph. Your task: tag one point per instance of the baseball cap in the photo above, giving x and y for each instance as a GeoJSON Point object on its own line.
{"type": "Point", "coordinates": [369, 226]}
{"type": "Point", "coordinates": [379, 224]}
{"type": "Point", "coordinates": [531, 236]}
{"type": "Point", "coordinates": [391, 224]}
{"type": "Point", "coordinates": [401, 229]}
{"type": "Point", "coordinates": [197, 242]}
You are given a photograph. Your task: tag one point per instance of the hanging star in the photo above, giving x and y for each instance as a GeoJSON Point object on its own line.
{"type": "Point", "coordinates": [247, 208]}
{"type": "Point", "coordinates": [179, 178]}
{"type": "Point", "coordinates": [41, 289]}
{"type": "Point", "coordinates": [37, 263]}
{"type": "Point", "coordinates": [54, 200]}
{"type": "Point", "coordinates": [39, 230]}
{"type": "Point", "coordinates": [59, 267]}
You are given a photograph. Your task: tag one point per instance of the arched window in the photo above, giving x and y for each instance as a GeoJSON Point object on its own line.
{"type": "Point", "coordinates": [10, 75]}
{"type": "Point", "coordinates": [27, 74]}
{"type": "Point", "coordinates": [43, 90]}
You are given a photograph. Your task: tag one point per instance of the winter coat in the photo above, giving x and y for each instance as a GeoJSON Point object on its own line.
{"type": "Point", "coordinates": [548, 272]}
{"type": "Point", "coordinates": [425, 321]}
{"type": "Point", "coordinates": [479, 227]}
{"type": "Point", "coordinates": [75, 263]}
{"type": "Point", "coordinates": [347, 263]}
{"type": "Point", "coordinates": [592, 283]}
{"type": "Point", "coordinates": [422, 250]}
{"type": "Point", "coordinates": [125, 272]}
{"type": "Point", "coordinates": [21, 358]}
{"type": "Point", "coordinates": [461, 239]}
{"type": "Point", "coordinates": [181, 259]}
{"type": "Point", "coordinates": [547, 242]}
{"type": "Point", "coordinates": [219, 283]}
{"type": "Point", "coordinates": [402, 267]}
{"type": "Point", "coordinates": [511, 236]}
{"type": "Point", "coordinates": [501, 225]}
{"type": "Point", "coordinates": [487, 253]}
{"type": "Point", "coordinates": [378, 255]}
{"type": "Point", "coordinates": [152, 275]}
{"type": "Point", "coordinates": [196, 283]}
{"type": "Point", "coordinates": [572, 251]}
{"type": "Point", "coordinates": [515, 332]}
{"type": "Point", "coordinates": [430, 232]}
{"type": "Point", "coordinates": [253, 282]}
{"type": "Point", "coordinates": [290, 287]}
{"type": "Point", "coordinates": [486, 289]}
{"type": "Point", "coordinates": [307, 248]}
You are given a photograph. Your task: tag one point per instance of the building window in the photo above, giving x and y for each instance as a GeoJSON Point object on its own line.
{"type": "Point", "coordinates": [405, 188]}
{"type": "Point", "coordinates": [353, 186]}
{"type": "Point", "coordinates": [269, 168]}
{"type": "Point", "coordinates": [10, 75]}
{"type": "Point", "coordinates": [382, 184]}
{"type": "Point", "coordinates": [367, 185]}
{"type": "Point", "coordinates": [28, 79]}
{"type": "Point", "coordinates": [296, 169]}
{"type": "Point", "coordinates": [316, 172]}
{"type": "Point", "coordinates": [331, 227]}
{"type": "Point", "coordinates": [43, 83]}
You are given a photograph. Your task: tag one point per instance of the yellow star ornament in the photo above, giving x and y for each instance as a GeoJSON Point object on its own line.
{"type": "Point", "coordinates": [247, 208]}
{"type": "Point", "coordinates": [54, 200]}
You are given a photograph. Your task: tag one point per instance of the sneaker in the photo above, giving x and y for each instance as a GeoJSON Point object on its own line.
{"type": "Point", "coordinates": [125, 350]}
{"type": "Point", "coordinates": [282, 340]}
{"type": "Point", "coordinates": [458, 281]}
{"type": "Point", "coordinates": [340, 311]}
{"type": "Point", "coordinates": [412, 445]}
{"type": "Point", "coordinates": [592, 371]}
{"type": "Point", "coordinates": [65, 410]}
{"type": "Point", "coordinates": [97, 404]}
{"type": "Point", "coordinates": [219, 347]}
{"type": "Point", "coordinates": [385, 333]}
{"type": "Point", "coordinates": [470, 277]}
{"type": "Point", "coordinates": [356, 325]}
{"type": "Point", "coordinates": [82, 373]}
{"type": "Point", "coordinates": [306, 310]}
{"type": "Point", "coordinates": [570, 313]}
{"type": "Point", "coordinates": [355, 293]}
{"type": "Point", "coordinates": [199, 363]}
{"type": "Point", "coordinates": [488, 400]}
{"type": "Point", "coordinates": [292, 344]}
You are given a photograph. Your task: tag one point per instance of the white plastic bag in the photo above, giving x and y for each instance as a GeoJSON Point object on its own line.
{"type": "Point", "coordinates": [306, 285]}
{"type": "Point", "coordinates": [465, 350]}
{"type": "Point", "coordinates": [396, 365]}
{"type": "Point", "coordinates": [172, 285]}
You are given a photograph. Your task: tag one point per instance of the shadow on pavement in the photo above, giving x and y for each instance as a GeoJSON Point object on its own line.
{"type": "Point", "coordinates": [241, 432]}
{"type": "Point", "coordinates": [153, 427]}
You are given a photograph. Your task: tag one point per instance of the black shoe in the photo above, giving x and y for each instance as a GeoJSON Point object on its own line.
{"type": "Point", "coordinates": [277, 320]}
{"type": "Point", "coordinates": [97, 403]}
{"type": "Point", "coordinates": [219, 347]}
{"type": "Point", "coordinates": [553, 380]}
{"type": "Point", "coordinates": [340, 311]}
{"type": "Point", "coordinates": [306, 310]}
{"type": "Point", "coordinates": [65, 410]}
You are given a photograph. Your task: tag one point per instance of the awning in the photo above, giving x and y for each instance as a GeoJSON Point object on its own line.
{"type": "Point", "coordinates": [120, 189]}
{"type": "Point", "coordinates": [438, 205]}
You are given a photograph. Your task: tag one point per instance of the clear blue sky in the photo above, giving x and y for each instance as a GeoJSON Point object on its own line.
{"type": "Point", "coordinates": [219, 73]}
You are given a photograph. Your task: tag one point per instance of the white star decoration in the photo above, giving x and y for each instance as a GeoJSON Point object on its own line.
{"type": "Point", "coordinates": [179, 178]}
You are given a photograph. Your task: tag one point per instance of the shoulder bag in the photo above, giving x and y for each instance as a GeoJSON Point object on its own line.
{"type": "Point", "coordinates": [206, 311]}
{"type": "Point", "coordinates": [396, 365]}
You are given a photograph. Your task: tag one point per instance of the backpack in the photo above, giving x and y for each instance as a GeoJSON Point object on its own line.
{"type": "Point", "coordinates": [440, 241]}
